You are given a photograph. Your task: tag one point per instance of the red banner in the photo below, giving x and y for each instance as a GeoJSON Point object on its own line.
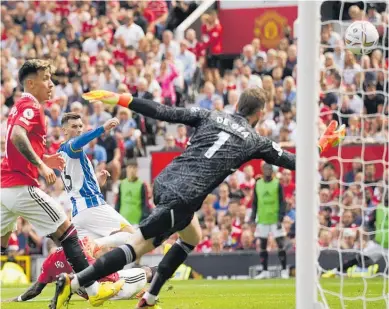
{"type": "Point", "coordinates": [341, 158]}
{"type": "Point", "coordinates": [240, 26]}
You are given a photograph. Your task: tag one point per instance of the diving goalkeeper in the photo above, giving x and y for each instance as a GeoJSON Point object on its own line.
{"type": "Point", "coordinates": [220, 145]}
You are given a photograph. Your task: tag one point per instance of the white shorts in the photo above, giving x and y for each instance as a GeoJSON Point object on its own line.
{"type": "Point", "coordinates": [98, 221]}
{"type": "Point", "coordinates": [374, 251]}
{"type": "Point", "coordinates": [134, 280]}
{"type": "Point", "coordinates": [264, 230]}
{"type": "Point", "coordinates": [34, 205]}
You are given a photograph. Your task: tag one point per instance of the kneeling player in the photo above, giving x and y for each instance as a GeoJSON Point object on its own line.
{"type": "Point", "coordinates": [269, 210]}
{"type": "Point", "coordinates": [135, 278]}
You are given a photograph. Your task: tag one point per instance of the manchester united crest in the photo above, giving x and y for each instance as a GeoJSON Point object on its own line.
{"type": "Point", "coordinates": [269, 28]}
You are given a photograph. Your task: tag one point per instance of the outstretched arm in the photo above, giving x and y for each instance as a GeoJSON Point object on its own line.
{"type": "Point", "coordinates": [188, 116]}
{"type": "Point", "coordinates": [272, 153]}
{"type": "Point", "coordinates": [150, 108]}
{"type": "Point", "coordinates": [80, 141]}
{"type": "Point", "coordinates": [32, 292]}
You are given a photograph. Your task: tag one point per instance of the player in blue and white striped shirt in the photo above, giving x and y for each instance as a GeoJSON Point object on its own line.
{"type": "Point", "coordinates": [91, 215]}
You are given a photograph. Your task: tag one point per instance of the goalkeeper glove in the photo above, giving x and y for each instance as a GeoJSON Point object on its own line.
{"type": "Point", "coordinates": [331, 136]}
{"type": "Point", "coordinates": [108, 97]}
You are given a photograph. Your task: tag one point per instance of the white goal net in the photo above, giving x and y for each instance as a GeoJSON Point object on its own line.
{"type": "Point", "coordinates": [353, 207]}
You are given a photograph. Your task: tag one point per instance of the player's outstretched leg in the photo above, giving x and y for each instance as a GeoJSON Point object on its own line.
{"type": "Point", "coordinates": [67, 235]}
{"type": "Point", "coordinates": [107, 264]}
{"type": "Point", "coordinates": [189, 237]}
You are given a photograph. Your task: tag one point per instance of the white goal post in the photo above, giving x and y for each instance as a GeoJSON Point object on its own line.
{"type": "Point", "coordinates": [308, 40]}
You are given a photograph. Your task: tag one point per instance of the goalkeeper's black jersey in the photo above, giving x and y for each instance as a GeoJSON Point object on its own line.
{"type": "Point", "coordinates": [220, 144]}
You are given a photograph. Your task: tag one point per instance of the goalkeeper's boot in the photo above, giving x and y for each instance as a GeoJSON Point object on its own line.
{"type": "Point", "coordinates": [330, 274]}
{"type": "Point", "coordinates": [265, 274]}
{"type": "Point", "coordinates": [63, 292]}
{"type": "Point", "coordinates": [106, 291]}
{"type": "Point", "coordinates": [143, 304]}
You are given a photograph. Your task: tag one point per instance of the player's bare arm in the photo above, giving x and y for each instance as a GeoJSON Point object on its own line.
{"type": "Point", "coordinates": [54, 161]}
{"type": "Point", "coordinates": [102, 177]}
{"type": "Point", "coordinates": [20, 140]}
{"type": "Point", "coordinates": [33, 291]}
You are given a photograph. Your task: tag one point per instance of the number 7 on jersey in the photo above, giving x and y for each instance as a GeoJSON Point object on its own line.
{"type": "Point", "coordinates": [223, 137]}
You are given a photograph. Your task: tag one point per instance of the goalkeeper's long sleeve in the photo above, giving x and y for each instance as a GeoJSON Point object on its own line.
{"type": "Point", "coordinates": [188, 116]}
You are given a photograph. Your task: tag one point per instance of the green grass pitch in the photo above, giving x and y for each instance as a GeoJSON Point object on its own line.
{"type": "Point", "coordinates": [227, 294]}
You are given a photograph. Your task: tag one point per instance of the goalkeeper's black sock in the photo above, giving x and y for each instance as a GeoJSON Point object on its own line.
{"type": "Point", "coordinates": [264, 257]}
{"type": "Point", "coordinates": [107, 264]}
{"type": "Point", "coordinates": [282, 257]}
{"type": "Point", "coordinates": [166, 268]}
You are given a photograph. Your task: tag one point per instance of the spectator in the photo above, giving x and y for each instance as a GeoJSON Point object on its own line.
{"type": "Point", "coordinates": [188, 62]}
{"type": "Point", "coordinates": [232, 98]}
{"type": "Point", "coordinates": [170, 144]}
{"type": "Point", "coordinates": [99, 116]}
{"type": "Point", "coordinates": [247, 241]}
{"type": "Point", "coordinates": [373, 102]}
{"type": "Point", "coordinates": [182, 138]}
{"type": "Point", "coordinates": [167, 74]}
{"type": "Point", "coordinates": [234, 186]}
{"type": "Point", "coordinates": [356, 168]}
{"type": "Point", "coordinates": [96, 154]}
{"type": "Point", "coordinates": [248, 56]}
{"type": "Point", "coordinates": [221, 205]}
{"type": "Point", "coordinates": [212, 32]}
{"type": "Point", "coordinates": [130, 32]}
{"type": "Point", "coordinates": [158, 9]}
{"type": "Point", "coordinates": [30, 22]}
{"type": "Point", "coordinates": [132, 197]}
{"type": "Point", "coordinates": [55, 118]}
{"type": "Point", "coordinates": [209, 92]}
{"type": "Point", "coordinates": [113, 155]}
{"type": "Point", "coordinates": [168, 44]}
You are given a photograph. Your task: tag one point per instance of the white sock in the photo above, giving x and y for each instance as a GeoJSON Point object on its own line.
{"type": "Point", "coordinates": [114, 240]}
{"type": "Point", "coordinates": [93, 289]}
{"type": "Point", "coordinates": [150, 299]}
{"type": "Point", "coordinates": [74, 285]}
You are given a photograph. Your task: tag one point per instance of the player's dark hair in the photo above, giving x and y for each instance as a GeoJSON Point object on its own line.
{"type": "Point", "coordinates": [33, 66]}
{"type": "Point", "coordinates": [251, 100]}
{"type": "Point", "coordinates": [69, 116]}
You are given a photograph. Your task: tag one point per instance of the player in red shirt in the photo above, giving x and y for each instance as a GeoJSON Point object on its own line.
{"type": "Point", "coordinates": [212, 42]}
{"type": "Point", "coordinates": [24, 161]}
{"type": "Point", "coordinates": [182, 138]}
{"type": "Point", "coordinates": [56, 263]}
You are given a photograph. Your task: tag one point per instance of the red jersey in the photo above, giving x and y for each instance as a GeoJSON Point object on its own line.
{"type": "Point", "coordinates": [157, 8]}
{"type": "Point", "coordinates": [182, 143]}
{"type": "Point", "coordinates": [16, 170]}
{"type": "Point", "coordinates": [289, 189]}
{"type": "Point", "coordinates": [212, 39]}
{"type": "Point", "coordinates": [56, 264]}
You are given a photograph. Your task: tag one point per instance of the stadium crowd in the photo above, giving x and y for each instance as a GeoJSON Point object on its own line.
{"type": "Point", "coordinates": [129, 46]}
